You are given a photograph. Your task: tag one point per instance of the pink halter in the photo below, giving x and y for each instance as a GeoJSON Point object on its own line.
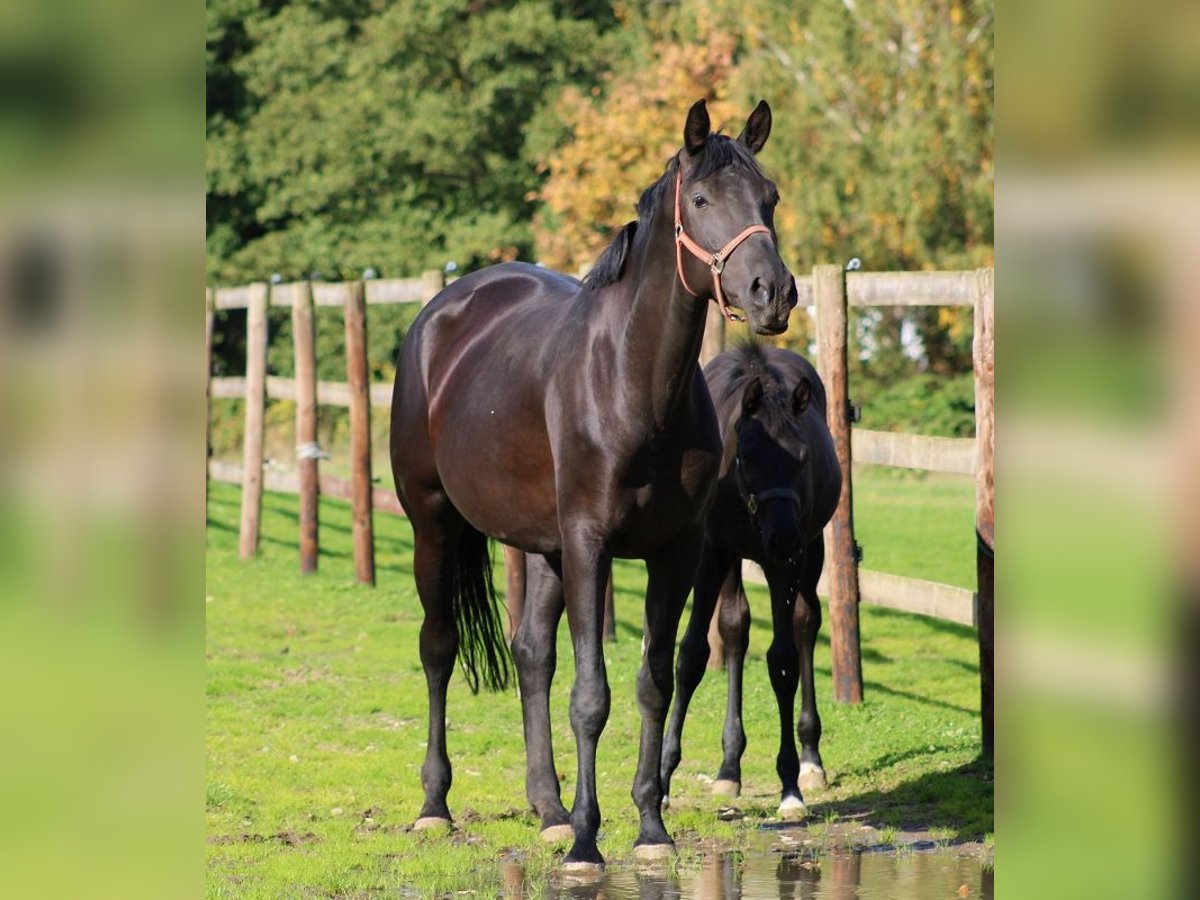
{"type": "Point", "coordinates": [715, 261]}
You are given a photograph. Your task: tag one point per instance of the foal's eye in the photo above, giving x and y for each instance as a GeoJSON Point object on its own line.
{"type": "Point", "coordinates": [699, 201]}
{"type": "Point", "coordinates": [775, 198]}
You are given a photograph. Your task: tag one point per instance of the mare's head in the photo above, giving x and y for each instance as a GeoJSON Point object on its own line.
{"type": "Point", "coordinates": [722, 193]}
{"type": "Point", "coordinates": [771, 463]}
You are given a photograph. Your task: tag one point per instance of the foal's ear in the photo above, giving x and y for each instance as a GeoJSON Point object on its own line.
{"type": "Point", "coordinates": [758, 127]}
{"type": "Point", "coordinates": [752, 396]}
{"type": "Point", "coordinates": [801, 396]}
{"type": "Point", "coordinates": [695, 131]}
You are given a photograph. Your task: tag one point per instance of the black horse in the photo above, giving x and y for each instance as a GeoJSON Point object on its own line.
{"type": "Point", "coordinates": [780, 482]}
{"type": "Point", "coordinates": [571, 421]}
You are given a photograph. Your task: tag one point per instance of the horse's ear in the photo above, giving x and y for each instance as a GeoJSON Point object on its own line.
{"type": "Point", "coordinates": [695, 131]}
{"type": "Point", "coordinates": [801, 396]}
{"type": "Point", "coordinates": [752, 396]}
{"type": "Point", "coordinates": [758, 127]}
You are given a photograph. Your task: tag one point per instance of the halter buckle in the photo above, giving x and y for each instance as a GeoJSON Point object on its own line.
{"type": "Point", "coordinates": [678, 230]}
{"type": "Point", "coordinates": [717, 264]}
{"type": "Point", "coordinates": [752, 504]}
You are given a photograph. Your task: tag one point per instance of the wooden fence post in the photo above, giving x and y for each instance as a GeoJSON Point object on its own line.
{"type": "Point", "coordinates": [306, 423]}
{"type": "Point", "coordinates": [514, 595]}
{"type": "Point", "coordinates": [256, 398]}
{"type": "Point", "coordinates": [210, 299]}
{"type": "Point", "coordinates": [360, 431]}
{"type": "Point", "coordinates": [714, 335]}
{"type": "Point", "coordinates": [433, 280]}
{"type": "Point", "coordinates": [984, 353]}
{"type": "Point", "coordinates": [829, 293]}
{"type": "Point", "coordinates": [610, 610]}
{"type": "Point", "coordinates": [514, 589]}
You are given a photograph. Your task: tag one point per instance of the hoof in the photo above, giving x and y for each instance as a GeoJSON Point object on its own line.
{"type": "Point", "coordinates": [723, 787]}
{"type": "Point", "coordinates": [666, 803]}
{"type": "Point", "coordinates": [648, 853]}
{"type": "Point", "coordinates": [812, 777]}
{"type": "Point", "coordinates": [427, 822]}
{"type": "Point", "coordinates": [792, 808]}
{"type": "Point", "coordinates": [556, 834]}
{"type": "Point", "coordinates": [583, 871]}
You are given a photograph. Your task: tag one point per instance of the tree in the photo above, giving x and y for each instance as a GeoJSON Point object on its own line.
{"type": "Point", "coordinates": [353, 134]}
{"type": "Point", "coordinates": [620, 139]}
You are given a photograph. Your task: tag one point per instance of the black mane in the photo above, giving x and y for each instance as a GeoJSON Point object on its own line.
{"type": "Point", "coordinates": [719, 152]}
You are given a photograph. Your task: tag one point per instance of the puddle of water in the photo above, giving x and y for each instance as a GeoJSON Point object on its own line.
{"type": "Point", "coordinates": [847, 875]}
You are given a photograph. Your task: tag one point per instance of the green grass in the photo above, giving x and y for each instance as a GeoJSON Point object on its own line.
{"type": "Point", "coordinates": [316, 717]}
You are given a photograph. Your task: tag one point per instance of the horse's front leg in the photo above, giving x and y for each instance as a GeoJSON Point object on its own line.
{"type": "Point", "coordinates": [669, 579]}
{"type": "Point", "coordinates": [535, 652]}
{"type": "Point", "coordinates": [807, 622]}
{"type": "Point", "coordinates": [585, 573]}
{"type": "Point", "coordinates": [783, 663]}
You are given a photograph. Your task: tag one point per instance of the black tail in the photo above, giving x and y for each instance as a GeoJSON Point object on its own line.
{"type": "Point", "coordinates": [482, 650]}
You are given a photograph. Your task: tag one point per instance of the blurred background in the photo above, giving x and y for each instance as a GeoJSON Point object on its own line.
{"type": "Point", "coordinates": [356, 134]}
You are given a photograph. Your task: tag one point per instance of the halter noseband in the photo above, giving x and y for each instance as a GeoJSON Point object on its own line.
{"type": "Point", "coordinates": [752, 500]}
{"type": "Point", "coordinates": [714, 261]}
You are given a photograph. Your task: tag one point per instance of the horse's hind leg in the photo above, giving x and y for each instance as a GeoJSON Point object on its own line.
{"type": "Point", "coordinates": [433, 570]}
{"type": "Point", "coordinates": [807, 622]}
{"type": "Point", "coordinates": [693, 656]}
{"type": "Point", "coordinates": [535, 653]}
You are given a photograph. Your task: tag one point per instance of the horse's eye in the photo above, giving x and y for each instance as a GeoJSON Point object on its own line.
{"type": "Point", "coordinates": [699, 201]}
{"type": "Point", "coordinates": [775, 198]}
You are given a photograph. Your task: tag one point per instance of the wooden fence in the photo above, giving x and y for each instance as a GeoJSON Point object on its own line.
{"type": "Point", "coordinates": [830, 289]}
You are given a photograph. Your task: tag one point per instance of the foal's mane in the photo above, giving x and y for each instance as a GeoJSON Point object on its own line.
{"type": "Point", "coordinates": [742, 364]}
{"type": "Point", "coordinates": [720, 151]}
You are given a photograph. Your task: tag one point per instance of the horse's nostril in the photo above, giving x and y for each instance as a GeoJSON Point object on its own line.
{"type": "Point", "coordinates": [762, 290]}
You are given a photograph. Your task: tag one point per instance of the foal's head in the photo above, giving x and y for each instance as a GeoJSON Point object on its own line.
{"type": "Point", "coordinates": [771, 467]}
{"type": "Point", "coordinates": [722, 193]}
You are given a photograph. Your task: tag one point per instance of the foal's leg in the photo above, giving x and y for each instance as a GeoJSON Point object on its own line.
{"type": "Point", "coordinates": [807, 622]}
{"type": "Point", "coordinates": [784, 665]}
{"type": "Point", "coordinates": [693, 655]}
{"type": "Point", "coordinates": [734, 625]}
{"type": "Point", "coordinates": [669, 579]}
{"type": "Point", "coordinates": [433, 567]}
{"type": "Point", "coordinates": [585, 572]}
{"type": "Point", "coordinates": [536, 657]}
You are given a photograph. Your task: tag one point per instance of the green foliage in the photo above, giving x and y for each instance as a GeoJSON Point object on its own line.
{"type": "Point", "coordinates": [921, 404]}
{"type": "Point", "coordinates": [347, 135]}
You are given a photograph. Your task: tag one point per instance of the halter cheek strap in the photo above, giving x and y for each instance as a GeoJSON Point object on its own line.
{"type": "Point", "coordinates": [714, 261]}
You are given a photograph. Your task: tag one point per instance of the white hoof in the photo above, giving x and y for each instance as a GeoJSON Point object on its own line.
{"type": "Point", "coordinates": [556, 834]}
{"type": "Point", "coordinates": [427, 822]}
{"type": "Point", "coordinates": [812, 777]}
{"type": "Point", "coordinates": [646, 853]}
{"type": "Point", "coordinates": [723, 787]}
{"type": "Point", "coordinates": [666, 804]}
{"type": "Point", "coordinates": [582, 871]}
{"type": "Point", "coordinates": [792, 808]}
